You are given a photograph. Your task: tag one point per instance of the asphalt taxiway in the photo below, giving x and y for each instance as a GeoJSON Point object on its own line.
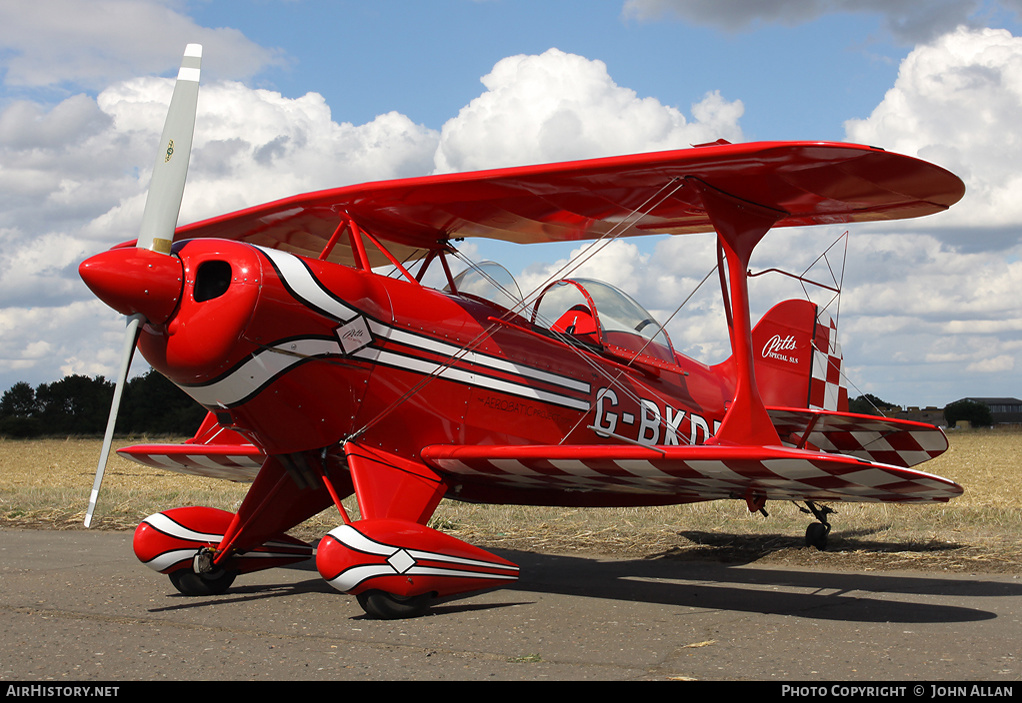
{"type": "Point", "coordinates": [77, 606]}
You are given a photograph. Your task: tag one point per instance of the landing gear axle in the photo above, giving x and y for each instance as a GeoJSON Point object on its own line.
{"type": "Point", "coordinates": [204, 578]}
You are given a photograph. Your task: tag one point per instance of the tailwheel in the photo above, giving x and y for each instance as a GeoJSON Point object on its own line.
{"type": "Point", "coordinates": [816, 535]}
{"type": "Point", "coordinates": [817, 532]}
{"type": "Point", "coordinates": [387, 606]}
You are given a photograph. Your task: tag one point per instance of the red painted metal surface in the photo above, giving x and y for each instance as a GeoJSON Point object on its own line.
{"type": "Point", "coordinates": [135, 281]}
{"type": "Point", "coordinates": [407, 559]}
{"type": "Point", "coordinates": [809, 182]}
{"type": "Point", "coordinates": [168, 542]}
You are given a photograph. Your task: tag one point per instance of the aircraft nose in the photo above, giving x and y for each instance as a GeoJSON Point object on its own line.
{"type": "Point", "coordinates": [133, 280]}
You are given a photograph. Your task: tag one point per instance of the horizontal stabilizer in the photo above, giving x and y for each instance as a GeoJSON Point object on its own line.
{"type": "Point", "coordinates": [689, 473]}
{"type": "Point", "coordinates": [877, 439]}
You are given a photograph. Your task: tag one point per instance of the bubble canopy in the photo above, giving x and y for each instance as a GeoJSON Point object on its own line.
{"type": "Point", "coordinates": [591, 311]}
{"type": "Point", "coordinates": [602, 314]}
{"type": "Point", "coordinates": [490, 281]}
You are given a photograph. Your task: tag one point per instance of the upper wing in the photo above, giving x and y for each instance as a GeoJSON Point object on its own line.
{"type": "Point", "coordinates": [888, 441]}
{"type": "Point", "coordinates": [689, 473]}
{"type": "Point", "coordinates": [811, 182]}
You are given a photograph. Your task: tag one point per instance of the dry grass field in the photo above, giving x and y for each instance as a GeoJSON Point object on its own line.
{"type": "Point", "coordinates": [46, 483]}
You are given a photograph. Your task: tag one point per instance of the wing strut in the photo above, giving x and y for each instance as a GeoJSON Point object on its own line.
{"type": "Point", "coordinates": [740, 226]}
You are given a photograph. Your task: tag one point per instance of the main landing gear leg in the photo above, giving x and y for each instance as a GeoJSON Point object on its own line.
{"type": "Point", "coordinates": [817, 532]}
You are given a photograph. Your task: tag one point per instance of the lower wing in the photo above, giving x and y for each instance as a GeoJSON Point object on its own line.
{"type": "Point", "coordinates": [689, 473]}
{"type": "Point", "coordinates": [233, 462]}
{"type": "Point", "coordinates": [213, 452]}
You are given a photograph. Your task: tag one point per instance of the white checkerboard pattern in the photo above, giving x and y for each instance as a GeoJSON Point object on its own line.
{"type": "Point", "coordinates": [826, 390]}
{"type": "Point", "coordinates": [875, 439]}
{"type": "Point", "coordinates": [689, 474]}
{"type": "Point", "coordinates": [231, 462]}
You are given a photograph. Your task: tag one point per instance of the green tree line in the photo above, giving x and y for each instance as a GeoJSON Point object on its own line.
{"type": "Point", "coordinates": [977, 414]}
{"type": "Point", "coordinates": [80, 405]}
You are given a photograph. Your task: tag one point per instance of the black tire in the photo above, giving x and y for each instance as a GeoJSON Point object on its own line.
{"type": "Point", "coordinates": [193, 584]}
{"type": "Point", "coordinates": [816, 535]}
{"type": "Point", "coordinates": [386, 606]}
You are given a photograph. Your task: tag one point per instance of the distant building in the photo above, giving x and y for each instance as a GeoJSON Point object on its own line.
{"type": "Point", "coordinates": [1006, 411]}
{"type": "Point", "coordinates": [930, 415]}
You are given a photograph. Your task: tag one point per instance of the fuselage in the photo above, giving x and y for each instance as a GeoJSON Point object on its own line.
{"type": "Point", "coordinates": [299, 354]}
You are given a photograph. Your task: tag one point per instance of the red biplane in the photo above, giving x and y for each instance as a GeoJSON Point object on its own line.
{"type": "Point", "coordinates": [324, 378]}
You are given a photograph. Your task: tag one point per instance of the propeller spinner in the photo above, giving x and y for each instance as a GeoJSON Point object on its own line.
{"type": "Point", "coordinates": [144, 282]}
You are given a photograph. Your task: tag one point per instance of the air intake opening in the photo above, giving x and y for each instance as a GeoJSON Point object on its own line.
{"type": "Point", "coordinates": [212, 280]}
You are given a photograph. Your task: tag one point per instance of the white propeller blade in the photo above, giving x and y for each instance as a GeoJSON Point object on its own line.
{"type": "Point", "coordinates": [163, 205]}
{"type": "Point", "coordinates": [167, 187]}
{"type": "Point", "coordinates": [127, 351]}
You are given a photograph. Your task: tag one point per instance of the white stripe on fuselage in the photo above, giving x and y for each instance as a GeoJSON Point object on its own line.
{"type": "Point", "coordinates": [455, 352]}
{"type": "Point", "coordinates": [450, 373]}
{"type": "Point", "coordinates": [260, 369]}
{"type": "Point", "coordinates": [299, 279]}
{"type": "Point", "coordinates": [268, 363]}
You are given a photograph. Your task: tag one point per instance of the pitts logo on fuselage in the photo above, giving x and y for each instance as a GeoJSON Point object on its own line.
{"type": "Point", "coordinates": [654, 423]}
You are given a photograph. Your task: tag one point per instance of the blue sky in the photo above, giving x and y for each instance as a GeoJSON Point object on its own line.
{"type": "Point", "coordinates": [301, 94]}
{"type": "Point", "coordinates": [425, 59]}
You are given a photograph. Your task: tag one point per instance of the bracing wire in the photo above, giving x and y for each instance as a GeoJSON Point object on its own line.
{"type": "Point", "coordinates": [595, 247]}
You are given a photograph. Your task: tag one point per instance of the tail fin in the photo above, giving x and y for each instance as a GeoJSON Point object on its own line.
{"type": "Point", "coordinates": [798, 370]}
{"type": "Point", "coordinates": [798, 360]}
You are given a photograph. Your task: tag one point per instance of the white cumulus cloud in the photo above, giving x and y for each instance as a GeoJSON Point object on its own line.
{"type": "Point", "coordinates": [74, 178]}
{"type": "Point", "coordinates": [91, 43]}
{"type": "Point", "coordinates": [956, 102]}
{"type": "Point", "coordinates": [559, 106]}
